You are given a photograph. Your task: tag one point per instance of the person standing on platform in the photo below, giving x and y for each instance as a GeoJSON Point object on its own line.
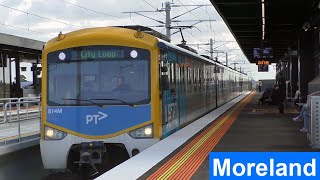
{"type": "Point", "coordinates": [281, 92]}
{"type": "Point", "coordinates": [259, 85]}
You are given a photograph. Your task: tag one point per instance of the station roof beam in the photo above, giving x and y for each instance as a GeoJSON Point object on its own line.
{"type": "Point", "coordinates": [278, 29]}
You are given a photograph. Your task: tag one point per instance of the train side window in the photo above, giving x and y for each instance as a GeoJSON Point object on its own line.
{"type": "Point", "coordinates": [190, 79]}
{"type": "Point", "coordinates": [199, 79]}
{"type": "Point", "coordinates": [182, 76]}
{"type": "Point", "coordinates": [195, 82]}
{"type": "Point", "coordinates": [202, 79]}
{"type": "Point", "coordinates": [210, 77]}
{"type": "Point", "coordinates": [206, 76]}
{"type": "Point", "coordinates": [174, 73]}
{"type": "Point", "coordinates": [177, 74]}
{"type": "Point", "coordinates": [173, 76]}
{"type": "Point", "coordinates": [170, 74]}
{"type": "Point", "coordinates": [189, 75]}
{"type": "Point", "coordinates": [208, 73]}
{"type": "Point", "coordinates": [213, 75]}
{"type": "Point", "coordinates": [222, 81]}
{"type": "Point", "coordinates": [187, 78]}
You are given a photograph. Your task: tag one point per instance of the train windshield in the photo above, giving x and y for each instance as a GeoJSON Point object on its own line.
{"type": "Point", "coordinates": [99, 75]}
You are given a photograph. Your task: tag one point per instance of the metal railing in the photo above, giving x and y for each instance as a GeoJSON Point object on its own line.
{"type": "Point", "coordinates": [16, 112]}
{"type": "Point", "coordinates": [25, 108]}
{"type": "Point", "coordinates": [3, 101]}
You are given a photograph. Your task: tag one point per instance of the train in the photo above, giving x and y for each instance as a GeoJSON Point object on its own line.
{"type": "Point", "coordinates": [112, 89]}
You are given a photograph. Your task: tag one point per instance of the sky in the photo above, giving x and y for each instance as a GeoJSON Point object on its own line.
{"type": "Point", "coordinates": [43, 19]}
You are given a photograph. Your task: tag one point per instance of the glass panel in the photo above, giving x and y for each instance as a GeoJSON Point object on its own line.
{"type": "Point", "coordinates": [113, 79]}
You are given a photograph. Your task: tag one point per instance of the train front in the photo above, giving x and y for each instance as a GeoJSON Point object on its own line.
{"type": "Point", "coordinates": [97, 97]}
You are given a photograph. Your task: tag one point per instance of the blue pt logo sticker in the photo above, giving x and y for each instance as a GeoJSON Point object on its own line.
{"type": "Point", "coordinates": [94, 118]}
{"type": "Point", "coordinates": [97, 121]}
{"type": "Point", "coordinates": [265, 165]}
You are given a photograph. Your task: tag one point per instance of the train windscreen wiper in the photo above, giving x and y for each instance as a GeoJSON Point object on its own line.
{"type": "Point", "coordinates": [131, 105]}
{"type": "Point", "coordinates": [86, 100]}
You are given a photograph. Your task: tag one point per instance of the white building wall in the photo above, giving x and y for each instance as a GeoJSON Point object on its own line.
{"type": "Point", "coordinates": [27, 73]}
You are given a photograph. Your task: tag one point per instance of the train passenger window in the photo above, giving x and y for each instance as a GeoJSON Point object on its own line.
{"type": "Point", "coordinates": [195, 76]}
{"type": "Point", "coordinates": [200, 79]}
{"type": "Point", "coordinates": [170, 74]}
{"type": "Point", "coordinates": [174, 74]}
{"type": "Point", "coordinates": [221, 82]}
{"type": "Point", "coordinates": [172, 77]}
{"type": "Point", "coordinates": [181, 78]}
{"type": "Point", "coordinates": [190, 74]}
{"type": "Point", "coordinates": [178, 77]}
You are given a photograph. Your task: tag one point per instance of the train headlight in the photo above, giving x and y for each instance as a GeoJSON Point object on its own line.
{"type": "Point", "coordinates": [143, 132]}
{"type": "Point", "coordinates": [53, 134]}
{"type": "Point", "coordinates": [148, 131]}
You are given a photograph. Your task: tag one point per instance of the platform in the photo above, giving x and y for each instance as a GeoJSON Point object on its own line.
{"type": "Point", "coordinates": [245, 127]}
{"type": "Point", "coordinates": [29, 123]}
{"type": "Point", "coordinates": [15, 135]}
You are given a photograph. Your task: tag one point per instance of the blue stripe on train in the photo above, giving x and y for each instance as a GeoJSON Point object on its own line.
{"type": "Point", "coordinates": [95, 121]}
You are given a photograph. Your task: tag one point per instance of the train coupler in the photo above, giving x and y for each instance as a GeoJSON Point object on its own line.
{"type": "Point", "coordinates": [91, 153]}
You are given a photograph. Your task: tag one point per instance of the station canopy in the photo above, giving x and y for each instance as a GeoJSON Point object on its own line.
{"type": "Point", "coordinates": [284, 19]}
{"type": "Point", "coordinates": [28, 50]}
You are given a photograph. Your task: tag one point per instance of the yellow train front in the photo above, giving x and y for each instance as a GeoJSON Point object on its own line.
{"type": "Point", "coordinates": [107, 89]}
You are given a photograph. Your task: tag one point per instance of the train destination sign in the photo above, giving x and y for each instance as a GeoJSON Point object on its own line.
{"type": "Point", "coordinates": [101, 54]}
{"type": "Point", "coordinates": [91, 53]}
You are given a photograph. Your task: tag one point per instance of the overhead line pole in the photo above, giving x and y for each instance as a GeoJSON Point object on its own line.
{"type": "Point", "coordinates": [169, 20]}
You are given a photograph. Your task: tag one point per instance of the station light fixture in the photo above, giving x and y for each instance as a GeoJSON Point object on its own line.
{"type": "Point", "coordinates": [263, 18]}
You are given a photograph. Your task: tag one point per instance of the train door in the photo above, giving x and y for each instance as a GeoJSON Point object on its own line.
{"type": "Point", "coordinates": [173, 99]}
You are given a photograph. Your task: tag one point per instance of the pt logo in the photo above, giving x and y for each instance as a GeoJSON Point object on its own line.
{"type": "Point", "coordinates": [95, 117]}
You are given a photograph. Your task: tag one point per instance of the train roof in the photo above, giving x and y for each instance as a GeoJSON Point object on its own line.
{"type": "Point", "coordinates": [165, 45]}
{"type": "Point", "coordinates": [88, 36]}
{"type": "Point", "coordinates": [146, 30]}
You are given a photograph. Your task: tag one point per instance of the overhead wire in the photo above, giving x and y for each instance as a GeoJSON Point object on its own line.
{"type": "Point", "coordinates": [26, 29]}
{"type": "Point", "coordinates": [210, 27]}
{"type": "Point", "coordinates": [162, 29]}
{"type": "Point", "coordinates": [85, 8]}
{"type": "Point", "coordinates": [92, 10]}
{"type": "Point", "coordinates": [36, 15]}
{"type": "Point", "coordinates": [209, 16]}
{"type": "Point", "coordinates": [197, 17]}
{"type": "Point", "coordinates": [213, 30]}
{"type": "Point", "coordinates": [163, 15]}
{"type": "Point", "coordinates": [217, 33]}
{"type": "Point", "coordinates": [153, 7]}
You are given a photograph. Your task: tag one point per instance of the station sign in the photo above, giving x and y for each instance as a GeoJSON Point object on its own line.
{"type": "Point", "coordinates": [263, 62]}
{"type": "Point", "coordinates": [263, 53]}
